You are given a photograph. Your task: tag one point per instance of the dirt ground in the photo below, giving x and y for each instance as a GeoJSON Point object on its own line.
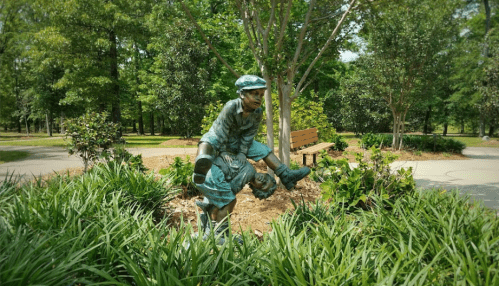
{"type": "Point", "coordinates": [255, 215]}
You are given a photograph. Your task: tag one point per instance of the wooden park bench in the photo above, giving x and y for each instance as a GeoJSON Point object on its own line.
{"type": "Point", "coordinates": [308, 136]}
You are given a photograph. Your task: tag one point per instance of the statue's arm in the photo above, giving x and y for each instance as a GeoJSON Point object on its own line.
{"type": "Point", "coordinates": [222, 125]}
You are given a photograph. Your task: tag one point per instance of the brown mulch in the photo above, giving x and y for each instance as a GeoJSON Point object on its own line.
{"type": "Point", "coordinates": [252, 213]}
{"type": "Point", "coordinates": [181, 142]}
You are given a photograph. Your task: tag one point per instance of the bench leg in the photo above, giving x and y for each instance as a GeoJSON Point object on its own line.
{"type": "Point", "coordinates": [304, 160]}
{"type": "Point", "coordinates": [315, 160]}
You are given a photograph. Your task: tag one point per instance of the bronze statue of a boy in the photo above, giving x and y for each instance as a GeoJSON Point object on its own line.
{"type": "Point", "coordinates": [221, 168]}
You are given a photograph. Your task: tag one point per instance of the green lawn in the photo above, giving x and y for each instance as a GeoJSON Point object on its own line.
{"type": "Point", "coordinates": [476, 141]}
{"type": "Point", "coordinates": [9, 156]}
{"type": "Point", "coordinates": [132, 141]}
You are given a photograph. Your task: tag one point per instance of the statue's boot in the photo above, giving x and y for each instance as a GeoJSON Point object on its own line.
{"type": "Point", "coordinates": [288, 177]}
{"type": "Point", "coordinates": [203, 163]}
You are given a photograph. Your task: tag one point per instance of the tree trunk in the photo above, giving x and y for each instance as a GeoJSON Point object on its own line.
{"type": "Point", "coordinates": [152, 122]}
{"type": "Point", "coordinates": [396, 130]}
{"type": "Point", "coordinates": [491, 130]}
{"type": "Point", "coordinates": [134, 126]}
{"type": "Point", "coordinates": [446, 125]}
{"type": "Point", "coordinates": [115, 87]}
{"type": "Point", "coordinates": [485, 53]}
{"type": "Point", "coordinates": [27, 125]}
{"type": "Point", "coordinates": [141, 119]}
{"type": "Point", "coordinates": [139, 103]}
{"type": "Point", "coordinates": [402, 130]}
{"type": "Point", "coordinates": [63, 131]}
{"type": "Point", "coordinates": [482, 124]}
{"type": "Point", "coordinates": [49, 125]}
{"type": "Point", "coordinates": [462, 126]}
{"type": "Point", "coordinates": [269, 112]}
{"type": "Point", "coordinates": [427, 120]}
{"type": "Point", "coordinates": [284, 91]}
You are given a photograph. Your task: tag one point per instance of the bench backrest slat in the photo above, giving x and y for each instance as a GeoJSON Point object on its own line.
{"type": "Point", "coordinates": [303, 137]}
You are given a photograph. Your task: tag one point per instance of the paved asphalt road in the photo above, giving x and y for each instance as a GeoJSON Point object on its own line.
{"type": "Point", "coordinates": [478, 176]}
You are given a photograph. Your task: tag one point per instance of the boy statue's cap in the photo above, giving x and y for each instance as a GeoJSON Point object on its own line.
{"type": "Point", "coordinates": [247, 82]}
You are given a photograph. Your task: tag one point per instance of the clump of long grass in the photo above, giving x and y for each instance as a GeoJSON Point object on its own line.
{"type": "Point", "coordinates": [88, 230]}
{"type": "Point", "coordinates": [109, 208]}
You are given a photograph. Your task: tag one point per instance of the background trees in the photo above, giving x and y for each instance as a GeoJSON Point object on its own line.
{"type": "Point", "coordinates": [425, 63]}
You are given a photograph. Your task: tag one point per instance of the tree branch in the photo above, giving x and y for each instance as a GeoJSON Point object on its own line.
{"type": "Point", "coordinates": [208, 41]}
{"type": "Point", "coordinates": [326, 45]}
{"type": "Point", "coordinates": [283, 27]}
{"type": "Point", "coordinates": [244, 14]}
{"type": "Point", "coordinates": [302, 33]}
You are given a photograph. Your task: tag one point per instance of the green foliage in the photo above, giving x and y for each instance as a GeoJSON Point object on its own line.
{"type": "Point", "coordinates": [91, 136]}
{"type": "Point", "coordinates": [416, 142]}
{"type": "Point", "coordinates": [293, 165]}
{"type": "Point", "coordinates": [213, 109]}
{"type": "Point", "coordinates": [377, 140]}
{"type": "Point", "coordinates": [65, 231]}
{"type": "Point", "coordinates": [82, 231]}
{"type": "Point", "coordinates": [121, 156]}
{"type": "Point", "coordinates": [361, 186]}
{"type": "Point", "coordinates": [180, 173]}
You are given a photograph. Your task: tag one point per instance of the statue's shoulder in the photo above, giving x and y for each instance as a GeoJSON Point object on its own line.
{"type": "Point", "coordinates": [232, 104]}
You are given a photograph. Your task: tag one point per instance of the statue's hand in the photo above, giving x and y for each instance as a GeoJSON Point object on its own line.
{"type": "Point", "coordinates": [227, 157]}
{"type": "Point", "coordinates": [241, 157]}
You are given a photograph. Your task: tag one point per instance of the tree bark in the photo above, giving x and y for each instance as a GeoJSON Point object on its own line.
{"type": "Point", "coordinates": [63, 131]}
{"type": "Point", "coordinates": [134, 126]}
{"type": "Point", "coordinates": [485, 53]}
{"type": "Point", "coordinates": [462, 126]}
{"type": "Point", "coordinates": [269, 112]}
{"type": "Point", "coordinates": [481, 132]}
{"type": "Point", "coordinates": [152, 122]}
{"type": "Point", "coordinates": [115, 87]}
{"type": "Point", "coordinates": [446, 125]}
{"type": "Point", "coordinates": [49, 127]}
{"type": "Point", "coordinates": [427, 120]}
{"type": "Point", "coordinates": [396, 130]}
{"type": "Point", "coordinates": [141, 119]}
{"type": "Point", "coordinates": [491, 130]}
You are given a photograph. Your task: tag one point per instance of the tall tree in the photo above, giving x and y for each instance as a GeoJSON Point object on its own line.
{"type": "Point", "coordinates": [287, 39]}
{"type": "Point", "coordinates": [404, 41]}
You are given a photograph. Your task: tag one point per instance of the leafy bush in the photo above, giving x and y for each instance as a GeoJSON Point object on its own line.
{"type": "Point", "coordinates": [339, 142]}
{"type": "Point", "coordinates": [91, 136]}
{"type": "Point", "coordinates": [213, 109]}
{"type": "Point", "coordinates": [180, 173]}
{"type": "Point", "coordinates": [70, 232]}
{"type": "Point", "coordinates": [121, 156]}
{"type": "Point", "coordinates": [434, 144]}
{"type": "Point", "coordinates": [358, 187]}
{"type": "Point", "coordinates": [377, 140]}
{"type": "Point", "coordinates": [66, 231]}
{"type": "Point", "coordinates": [416, 142]}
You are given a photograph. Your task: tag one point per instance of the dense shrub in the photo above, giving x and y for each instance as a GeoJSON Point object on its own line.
{"type": "Point", "coordinates": [359, 186]}
{"type": "Point", "coordinates": [180, 173]}
{"type": "Point", "coordinates": [70, 232]}
{"type": "Point", "coordinates": [90, 136]}
{"type": "Point", "coordinates": [66, 231]}
{"type": "Point", "coordinates": [121, 156]}
{"type": "Point", "coordinates": [416, 142]}
{"type": "Point", "coordinates": [376, 140]}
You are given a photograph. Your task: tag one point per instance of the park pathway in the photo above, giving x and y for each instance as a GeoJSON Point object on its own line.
{"type": "Point", "coordinates": [478, 176]}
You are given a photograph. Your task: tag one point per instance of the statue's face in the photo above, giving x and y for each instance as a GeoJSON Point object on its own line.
{"type": "Point", "coordinates": [252, 99]}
